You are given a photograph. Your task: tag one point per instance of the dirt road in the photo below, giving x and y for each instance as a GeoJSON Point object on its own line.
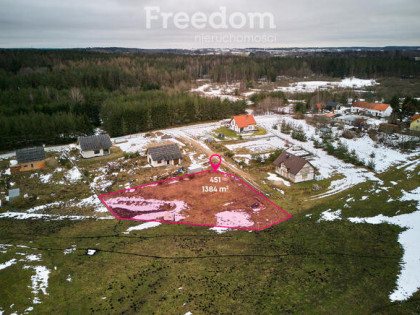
{"type": "Point", "coordinates": [225, 164]}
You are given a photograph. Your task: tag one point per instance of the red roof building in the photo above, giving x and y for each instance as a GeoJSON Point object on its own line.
{"type": "Point", "coordinates": [375, 109]}
{"type": "Point", "coordinates": [243, 123]}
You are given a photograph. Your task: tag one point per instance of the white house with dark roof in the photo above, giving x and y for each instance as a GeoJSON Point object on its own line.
{"type": "Point", "coordinates": [94, 146]}
{"type": "Point", "coordinates": [163, 155]}
{"type": "Point", "coordinates": [294, 168]}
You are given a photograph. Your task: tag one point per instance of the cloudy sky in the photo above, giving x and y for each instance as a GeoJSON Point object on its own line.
{"type": "Point", "coordinates": [191, 24]}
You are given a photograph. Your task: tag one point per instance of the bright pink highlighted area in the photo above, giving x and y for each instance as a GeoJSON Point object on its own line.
{"type": "Point", "coordinates": [209, 198]}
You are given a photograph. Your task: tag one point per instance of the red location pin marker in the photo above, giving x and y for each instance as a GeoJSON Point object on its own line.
{"type": "Point", "coordinates": [215, 166]}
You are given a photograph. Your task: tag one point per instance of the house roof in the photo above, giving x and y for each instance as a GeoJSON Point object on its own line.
{"type": "Point", "coordinates": [415, 117]}
{"type": "Point", "coordinates": [165, 152]}
{"type": "Point", "coordinates": [292, 162]}
{"type": "Point", "coordinates": [244, 120]}
{"type": "Point", "coordinates": [95, 142]}
{"type": "Point", "coordinates": [371, 106]}
{"type": "Point", "coordinates": [30, 154]}
{"type": "Point", "coordinates": [331, 104]}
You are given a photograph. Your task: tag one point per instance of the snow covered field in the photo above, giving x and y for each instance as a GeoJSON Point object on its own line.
{"type": "Point", "coordinates": [328, 165]}
{"type": "Point", "coordinates": [312, 86]}
{"type": "Point", "coordinates": [222, 92]}
{"type": "Point", "coordinates": [226, 91]}
{"type": "Point", "coordinates": [261, 145]}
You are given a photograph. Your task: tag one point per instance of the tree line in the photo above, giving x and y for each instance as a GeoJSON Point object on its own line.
{"type": "Point", "coordinates": [52, 96]}
{"type": "Point", "coordinates": [144, 111]}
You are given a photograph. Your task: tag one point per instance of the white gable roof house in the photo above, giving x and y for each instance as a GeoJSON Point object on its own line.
{"type": "Point", "coordinates": [374, 109]}
{"type": "Point", "coordinates": [294, 168]}
{"type": "Point", "coordinates": [163, 155]}
{"type": "Point", "coordinates": [94, 146]}
{"type": "Point", "coordinates": [243, 123]}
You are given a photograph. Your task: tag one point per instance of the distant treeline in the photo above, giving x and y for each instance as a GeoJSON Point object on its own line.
{"type": "Point", "coordinates": [52, 96]}
{"type": "Point", "coordinates": [63, 69]}
{"type": "Point", "coordinates": [144, 111]}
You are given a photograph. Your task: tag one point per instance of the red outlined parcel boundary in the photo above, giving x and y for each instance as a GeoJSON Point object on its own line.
{"type": "Point", "coordinates": [208, 198]}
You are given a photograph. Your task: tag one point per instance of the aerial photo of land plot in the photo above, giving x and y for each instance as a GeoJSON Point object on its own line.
{"type": "Point", "coordinates": [206, 198]}
{"type": "Point", "coordinates": [202, 157]}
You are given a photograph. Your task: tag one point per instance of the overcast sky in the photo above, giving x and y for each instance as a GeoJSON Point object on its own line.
{"type": "Point", "coordinates": [123, 23]}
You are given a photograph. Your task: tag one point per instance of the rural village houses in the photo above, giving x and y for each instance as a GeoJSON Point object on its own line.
{"type": "Point", "coordinates": [168, 154]}
{"type": "Point", "coordinates": [28, 159]}
{"type": "Point", "coordinates": [94, 146]}
{"type": "Point", "coordinates": [294, 168]}
{"type": "Point", "coordinates": [375, 109]}
{"type": "Point", "coordinates": [243, 123]}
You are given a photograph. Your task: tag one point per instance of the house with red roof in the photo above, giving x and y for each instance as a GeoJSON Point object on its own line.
{"type": "Point", "coordinates": [243, 123]}
{"type": "Point", "coordinates": [374, 109]}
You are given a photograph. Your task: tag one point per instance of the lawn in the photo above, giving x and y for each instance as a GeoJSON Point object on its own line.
{"type": "Point", "coordinates": [229, 133]}
{"type": "Point", "coordinates": [298, 266]}
{"type": "Point", "coordinates": [260, 132]}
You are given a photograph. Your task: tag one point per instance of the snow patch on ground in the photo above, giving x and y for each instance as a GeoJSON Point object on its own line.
{"type": "Point", "coordinates": [70, 250]}
{"type": "Point", "coordinates": [143, 226]}
{"type": "Point", "coordinates": [219, 230]}
{"type": "Point", "coordinates": [73, 175]}
{"type": "Point", "coordinates": [330, 216]}
{"type": "Point", "coordinates": [408, 281]}
{"type": "Point", "coordinates": [7, 264]}
{"type": "Point", "coordinates": [45, 178]}
{"type": "Point", "coordinates": [53, 217]}
{"type": "Point", "coordinates": [275, 178]}
{"type": "Point", "coordinates": [39, 281]}
{"type": "Point", "coordinates": [91, 252]}
{"type": "Point", "coordinates": [234, 218]}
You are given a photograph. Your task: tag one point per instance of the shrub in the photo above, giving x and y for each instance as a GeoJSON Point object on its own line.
{"type": "Point", "coordinates": [132, 155]}
{"type": "Point", "coordinates": [229, 154]}
{"type": "Point", "coordinates": [65, 162]}
{"type": "Point", "coordinates": [371, 165]}
{"type": "Point", "coordinates": [274, 155]}
{"type": "Point", "coordinates": [285, 127]}
{"type": "Point", "coordinates": [299, 135]}
{"type": "Point", "coordinates": [348, 134]}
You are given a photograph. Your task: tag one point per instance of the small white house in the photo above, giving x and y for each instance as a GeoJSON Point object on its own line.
{"type": "Point", "coordinates": [94, 146]}
{"type": "Point", "coordinates": [243, 123]}
{"type": "Point", "coordinates": [294, 168]}
{"type": "Point", "coordinates": [375, 109]}
{"type": "Point", "coordinates": [163, 155]}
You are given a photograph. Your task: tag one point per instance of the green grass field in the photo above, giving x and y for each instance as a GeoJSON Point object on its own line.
{"type": "Point", "coordinates": [298, 266]}
{"type": "Point", "coordinates": [229, 133]}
